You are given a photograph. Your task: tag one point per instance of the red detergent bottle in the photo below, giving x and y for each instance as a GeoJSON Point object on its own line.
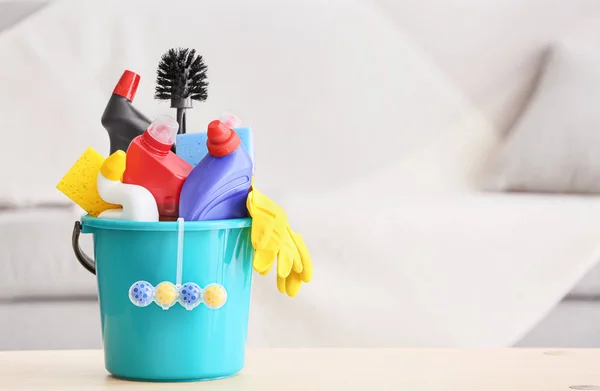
{"type": "Point", "coordinates": [151, 164]}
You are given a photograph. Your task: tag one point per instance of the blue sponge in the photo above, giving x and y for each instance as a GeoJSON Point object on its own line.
{"type": "Point", "coordinates": [191, 147]}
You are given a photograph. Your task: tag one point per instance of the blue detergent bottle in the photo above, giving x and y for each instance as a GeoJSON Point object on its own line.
{"type": "Point", "coordinates": [218, 186]}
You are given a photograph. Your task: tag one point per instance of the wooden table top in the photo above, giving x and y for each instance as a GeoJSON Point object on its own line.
{"type": "Point", "coordinates": [331, 369]}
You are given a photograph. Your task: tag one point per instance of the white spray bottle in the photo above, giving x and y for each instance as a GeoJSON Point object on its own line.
{"type": "Point", "coordinates": [138, 203]}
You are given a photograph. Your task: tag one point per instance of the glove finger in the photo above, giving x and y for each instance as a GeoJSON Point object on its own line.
{"type": "Point", "coordinates": [293, 284]}
{"type": "Point", "coordinates": [284, 263]}
{"type": "Point", "coordinates": [307, 271]}
{"type": "Point", "coordinates": [266, 272]}
{"type": "Point", "coordinates": [281, 285]}
{"type": "Point", "coordinates": [264, 260]}
{"type": "Point", "coordinates": [297, 267]}
{"type": "Point", "coordinates": [289, 252]}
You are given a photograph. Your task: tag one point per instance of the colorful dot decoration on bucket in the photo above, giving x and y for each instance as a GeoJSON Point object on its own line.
{"type": "Point", "coordinates": [166, 294]}
{"type": "Point", "coordinates": [214, 296]}
{"type": "Point", "coordinates": [191, 295]}
{"type": "Point", "coordinates": [141, 293]}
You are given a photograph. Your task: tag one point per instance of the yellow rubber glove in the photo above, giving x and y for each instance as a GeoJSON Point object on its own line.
{"type": "Point", "coordinates": [291, 285]}
{"type": "Point", "coordinates": [273, 239]}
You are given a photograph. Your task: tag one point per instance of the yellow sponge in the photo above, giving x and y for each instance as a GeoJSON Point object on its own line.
{"type": "Point", "coordinates": [80, 183]}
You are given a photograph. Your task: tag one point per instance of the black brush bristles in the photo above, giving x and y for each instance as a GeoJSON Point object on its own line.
{"type": "Point", "coordinates": [181, 74]}
{"type": "Point", "coordinates": [181, 78]}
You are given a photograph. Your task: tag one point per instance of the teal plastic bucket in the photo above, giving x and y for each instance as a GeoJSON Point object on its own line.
{"type": "Point", "coordinates": [176, 344]}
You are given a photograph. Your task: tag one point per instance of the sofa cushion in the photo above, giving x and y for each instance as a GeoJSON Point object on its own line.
{"type": "Point", "coordinates": [589, 286]}
{"type": "Point", "coordinates": [50, 325]}
{"type": "Point", "coordinates": [572, 324]}
{"type": "Point", "coordinates": [554, 146]}
{"type": "Point", "coordinates": [36, 258]}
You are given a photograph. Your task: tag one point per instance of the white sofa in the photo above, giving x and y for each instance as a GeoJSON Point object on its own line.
{"type": "Point", "coordinates": [407, 251]}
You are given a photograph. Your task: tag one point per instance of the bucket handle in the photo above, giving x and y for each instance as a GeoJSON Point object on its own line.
{"type": "Point", "coordinates": [88, 263]}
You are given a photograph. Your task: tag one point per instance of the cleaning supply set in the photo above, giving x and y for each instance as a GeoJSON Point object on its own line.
{"type": "Point", "coordinates": [182, 231]}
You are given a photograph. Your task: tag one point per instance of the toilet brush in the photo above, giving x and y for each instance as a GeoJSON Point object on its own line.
{"type": "Point", "coordinates": [181, 78]}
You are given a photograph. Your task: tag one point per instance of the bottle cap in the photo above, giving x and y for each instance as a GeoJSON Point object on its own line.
{"type": "Point", "coordinates": [222, 140]}
{"type": "Point", "coordinates": [162, 131]}
{"type": "Point", "coordinates": [127, 85]}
